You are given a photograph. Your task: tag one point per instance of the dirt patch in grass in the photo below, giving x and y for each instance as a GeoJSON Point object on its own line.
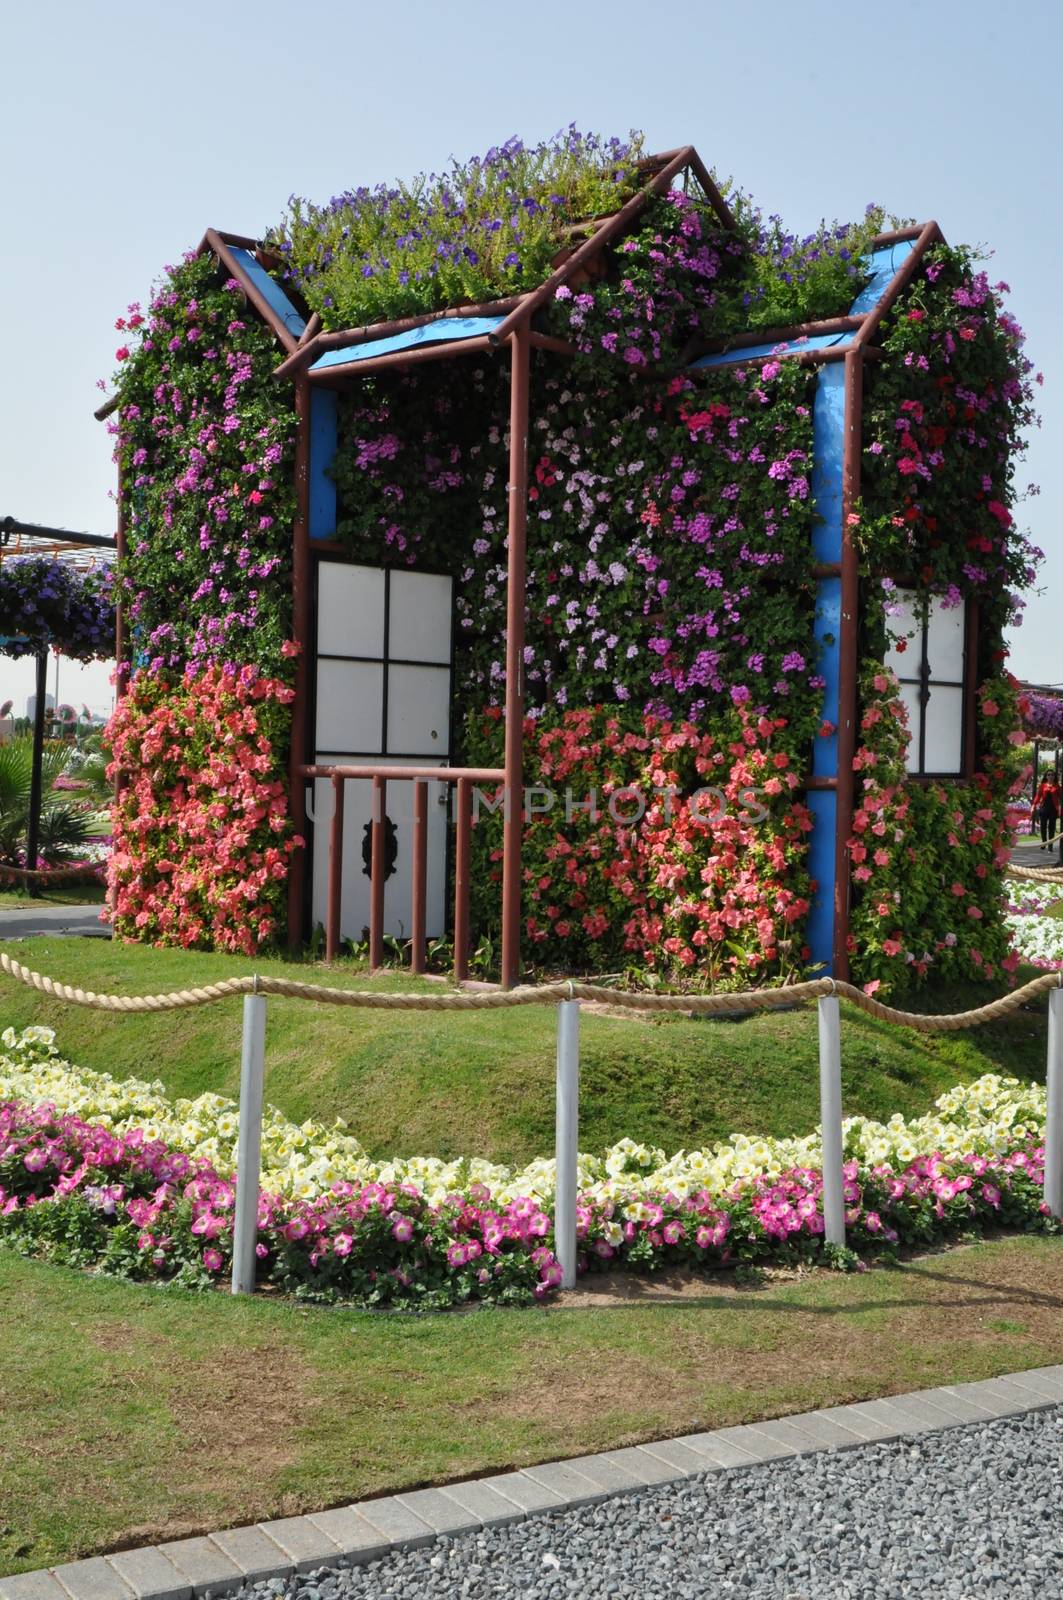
{"type": "Point", "coordinates": [228, 1425]}
{"type": "Point", "coordinates": [809, 1338]}
{"type": "Point", "coordinates": [587, 1394]}
{"type": "Point", "coordinates": [237, 1415]}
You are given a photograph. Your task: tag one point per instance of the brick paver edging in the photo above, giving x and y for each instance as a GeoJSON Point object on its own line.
{"type": "Point", "coordinates": [220, 1563]}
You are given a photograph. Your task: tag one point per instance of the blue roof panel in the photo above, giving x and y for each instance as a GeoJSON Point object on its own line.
{"type": "Point", "coordinates": [270, 290]}
{"type": "Point", "coordinates": [885, 263]}
{"type": "Point", "coordinates": [446, 329]}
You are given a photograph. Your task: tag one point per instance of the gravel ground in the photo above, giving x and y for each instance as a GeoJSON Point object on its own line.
{"type": "Point", "coordinates": [966, 1514]}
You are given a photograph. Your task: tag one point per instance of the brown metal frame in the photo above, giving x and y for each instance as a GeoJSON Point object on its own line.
{"type": "Point", "coordinates": [339, 775]}
{"type": "Point", "coordinates": [338, 377]}
{"type": "Point", "coordinates": [317, 343]}
{"type": "Point", "coordinates": [797, 330]}
{"type": "Point", "coordinates": [516, 606]}
{"type": "Point", "coordinates": [609, 230]}
{"type": "Point", "coordinates": [219, 244]}
{"type": "Point", "coordinates": [301, 637]}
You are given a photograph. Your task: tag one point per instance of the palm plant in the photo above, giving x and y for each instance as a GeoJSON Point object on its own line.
{"type": "Point", "coordinates": [64, 824]}
{"type": "Point", "coordinates": [88, 767]}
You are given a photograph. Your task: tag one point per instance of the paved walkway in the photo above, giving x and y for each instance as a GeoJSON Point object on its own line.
{"type": "Point", "coordinates": [1027, 852]}
{"type": "Point", "coordinates": [37, 920]}
{"type": "Point", "coordinates": [371, 1530]}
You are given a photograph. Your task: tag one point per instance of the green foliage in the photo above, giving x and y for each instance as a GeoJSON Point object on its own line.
{"type": "Point", "coordinates": [785, 279]}
{"type": "Point", "coordinates": [485, 228]}
{"type": "Point", "coordinates": [205, 442]}
{"type": "Point", "coordinates": [64, 822]}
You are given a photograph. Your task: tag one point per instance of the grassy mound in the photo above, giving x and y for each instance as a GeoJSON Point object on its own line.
{"type": "Point", "coordinates": [482, 1083]}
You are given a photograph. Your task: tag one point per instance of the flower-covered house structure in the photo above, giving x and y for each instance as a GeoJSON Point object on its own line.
{"type": "Point", "coordinates": [556, 556]}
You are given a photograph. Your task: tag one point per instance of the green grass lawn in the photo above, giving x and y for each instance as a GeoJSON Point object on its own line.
{"type": "Point", "coordinates": [482, 1083]}
{"type": "Point", "coordinates": [131, 1414]}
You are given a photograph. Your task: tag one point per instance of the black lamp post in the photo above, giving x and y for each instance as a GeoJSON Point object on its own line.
{"type": "Point", "coordinates": [33, 827]}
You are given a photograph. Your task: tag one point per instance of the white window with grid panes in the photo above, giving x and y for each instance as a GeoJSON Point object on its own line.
{"type": "Point", "coordinates": [381, 698]}
{"type": "Point", "coordinates": [928, 652]}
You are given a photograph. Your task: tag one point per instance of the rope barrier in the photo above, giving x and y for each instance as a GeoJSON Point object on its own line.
{"type": "Point", "coordinates": [541, 994]}
{"type": "Point", "coordinates": [1035, 874]}
{"type": "Point", "coordinates": [89, 873]}
{"type": "Point", "coordinates": [827, 991]}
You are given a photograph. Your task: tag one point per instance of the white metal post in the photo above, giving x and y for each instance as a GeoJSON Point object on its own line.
{"type": "Point", "coordinates": [1054, 1114]}
{"type": "Point", "coordinates": [249, 1146]}
{"type": "Point", "coordinates": [830, 1116]}
{"type": "Point", "coordinates": [567, 1139]}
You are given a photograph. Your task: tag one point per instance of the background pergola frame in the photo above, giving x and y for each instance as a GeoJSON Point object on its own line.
{"type": "Point", "coordinates": [79, 550]}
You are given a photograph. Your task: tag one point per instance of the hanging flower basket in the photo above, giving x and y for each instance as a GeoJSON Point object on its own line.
{"type": "Point", "coordinates": [46, 604]}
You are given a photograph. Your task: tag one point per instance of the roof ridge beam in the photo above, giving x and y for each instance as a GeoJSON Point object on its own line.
{"type": "Point", "coordinates": [608, 231]}
{"type": "Point", "coordinates": [929, 234]}
{"type": "Point", "coordinates": [219, 245]}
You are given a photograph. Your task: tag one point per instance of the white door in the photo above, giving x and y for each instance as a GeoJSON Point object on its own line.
{"type": "Point", "coordinates": [382, 699]}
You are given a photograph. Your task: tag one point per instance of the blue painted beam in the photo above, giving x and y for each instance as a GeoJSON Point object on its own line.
{"type": "Point", "coordinates": [322, 502]}
{"type": "Point", "coordinates": [750, 352]}
{"type": "Point", "coordinates": [828, 436]}
{"type": "Point", "coordinates": [885, 264]}
{"type": "Point", "coordinates": [828, 445]}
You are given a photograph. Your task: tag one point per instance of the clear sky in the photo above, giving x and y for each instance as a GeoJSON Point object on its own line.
{"type": "Point", "coordinates": [128, 128]}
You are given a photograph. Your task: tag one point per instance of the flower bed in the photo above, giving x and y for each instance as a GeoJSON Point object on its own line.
{"type": "Point", "coordinates": [97, 1172]}
{"type": "Point", "coordinates": [1035, 938]}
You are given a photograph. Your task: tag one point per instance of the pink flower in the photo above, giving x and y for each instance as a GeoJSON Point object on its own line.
{"type": "Point", "coordinates": [212, 1260]}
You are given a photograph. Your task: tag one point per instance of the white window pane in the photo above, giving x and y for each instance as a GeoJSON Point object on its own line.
{"type": "Point", "coordinates": [903, 623]}
{"type": "Point", "coordinates": [419, 624]}
{"type": "Point", "coordinates": [350, 706]}
{"type": "Point", "coordinates": [350, 610]}
{"type": "Point", "coordinates": [418, 710]}
{"type": "Point", "coordinates": [910, 701]}
{"type": "Point", "coordinates": [944, 730]}
{"type": "Point", "coordinates": [945, 640]}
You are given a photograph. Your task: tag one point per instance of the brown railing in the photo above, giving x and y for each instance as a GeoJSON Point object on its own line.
{"type": "Point", "coordinates": [463, 778]}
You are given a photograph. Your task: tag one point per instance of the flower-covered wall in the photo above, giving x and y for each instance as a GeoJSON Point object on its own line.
{"type": "Point", "coordinates": [944, 415]}
{"type": "Point", "coordinates": [672, 588]}
{"type": "Point", "coordinates": [204, 442]}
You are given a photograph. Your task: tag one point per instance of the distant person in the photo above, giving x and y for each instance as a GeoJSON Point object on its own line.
{"type": "Point", "coordinates": [1046, 810]}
